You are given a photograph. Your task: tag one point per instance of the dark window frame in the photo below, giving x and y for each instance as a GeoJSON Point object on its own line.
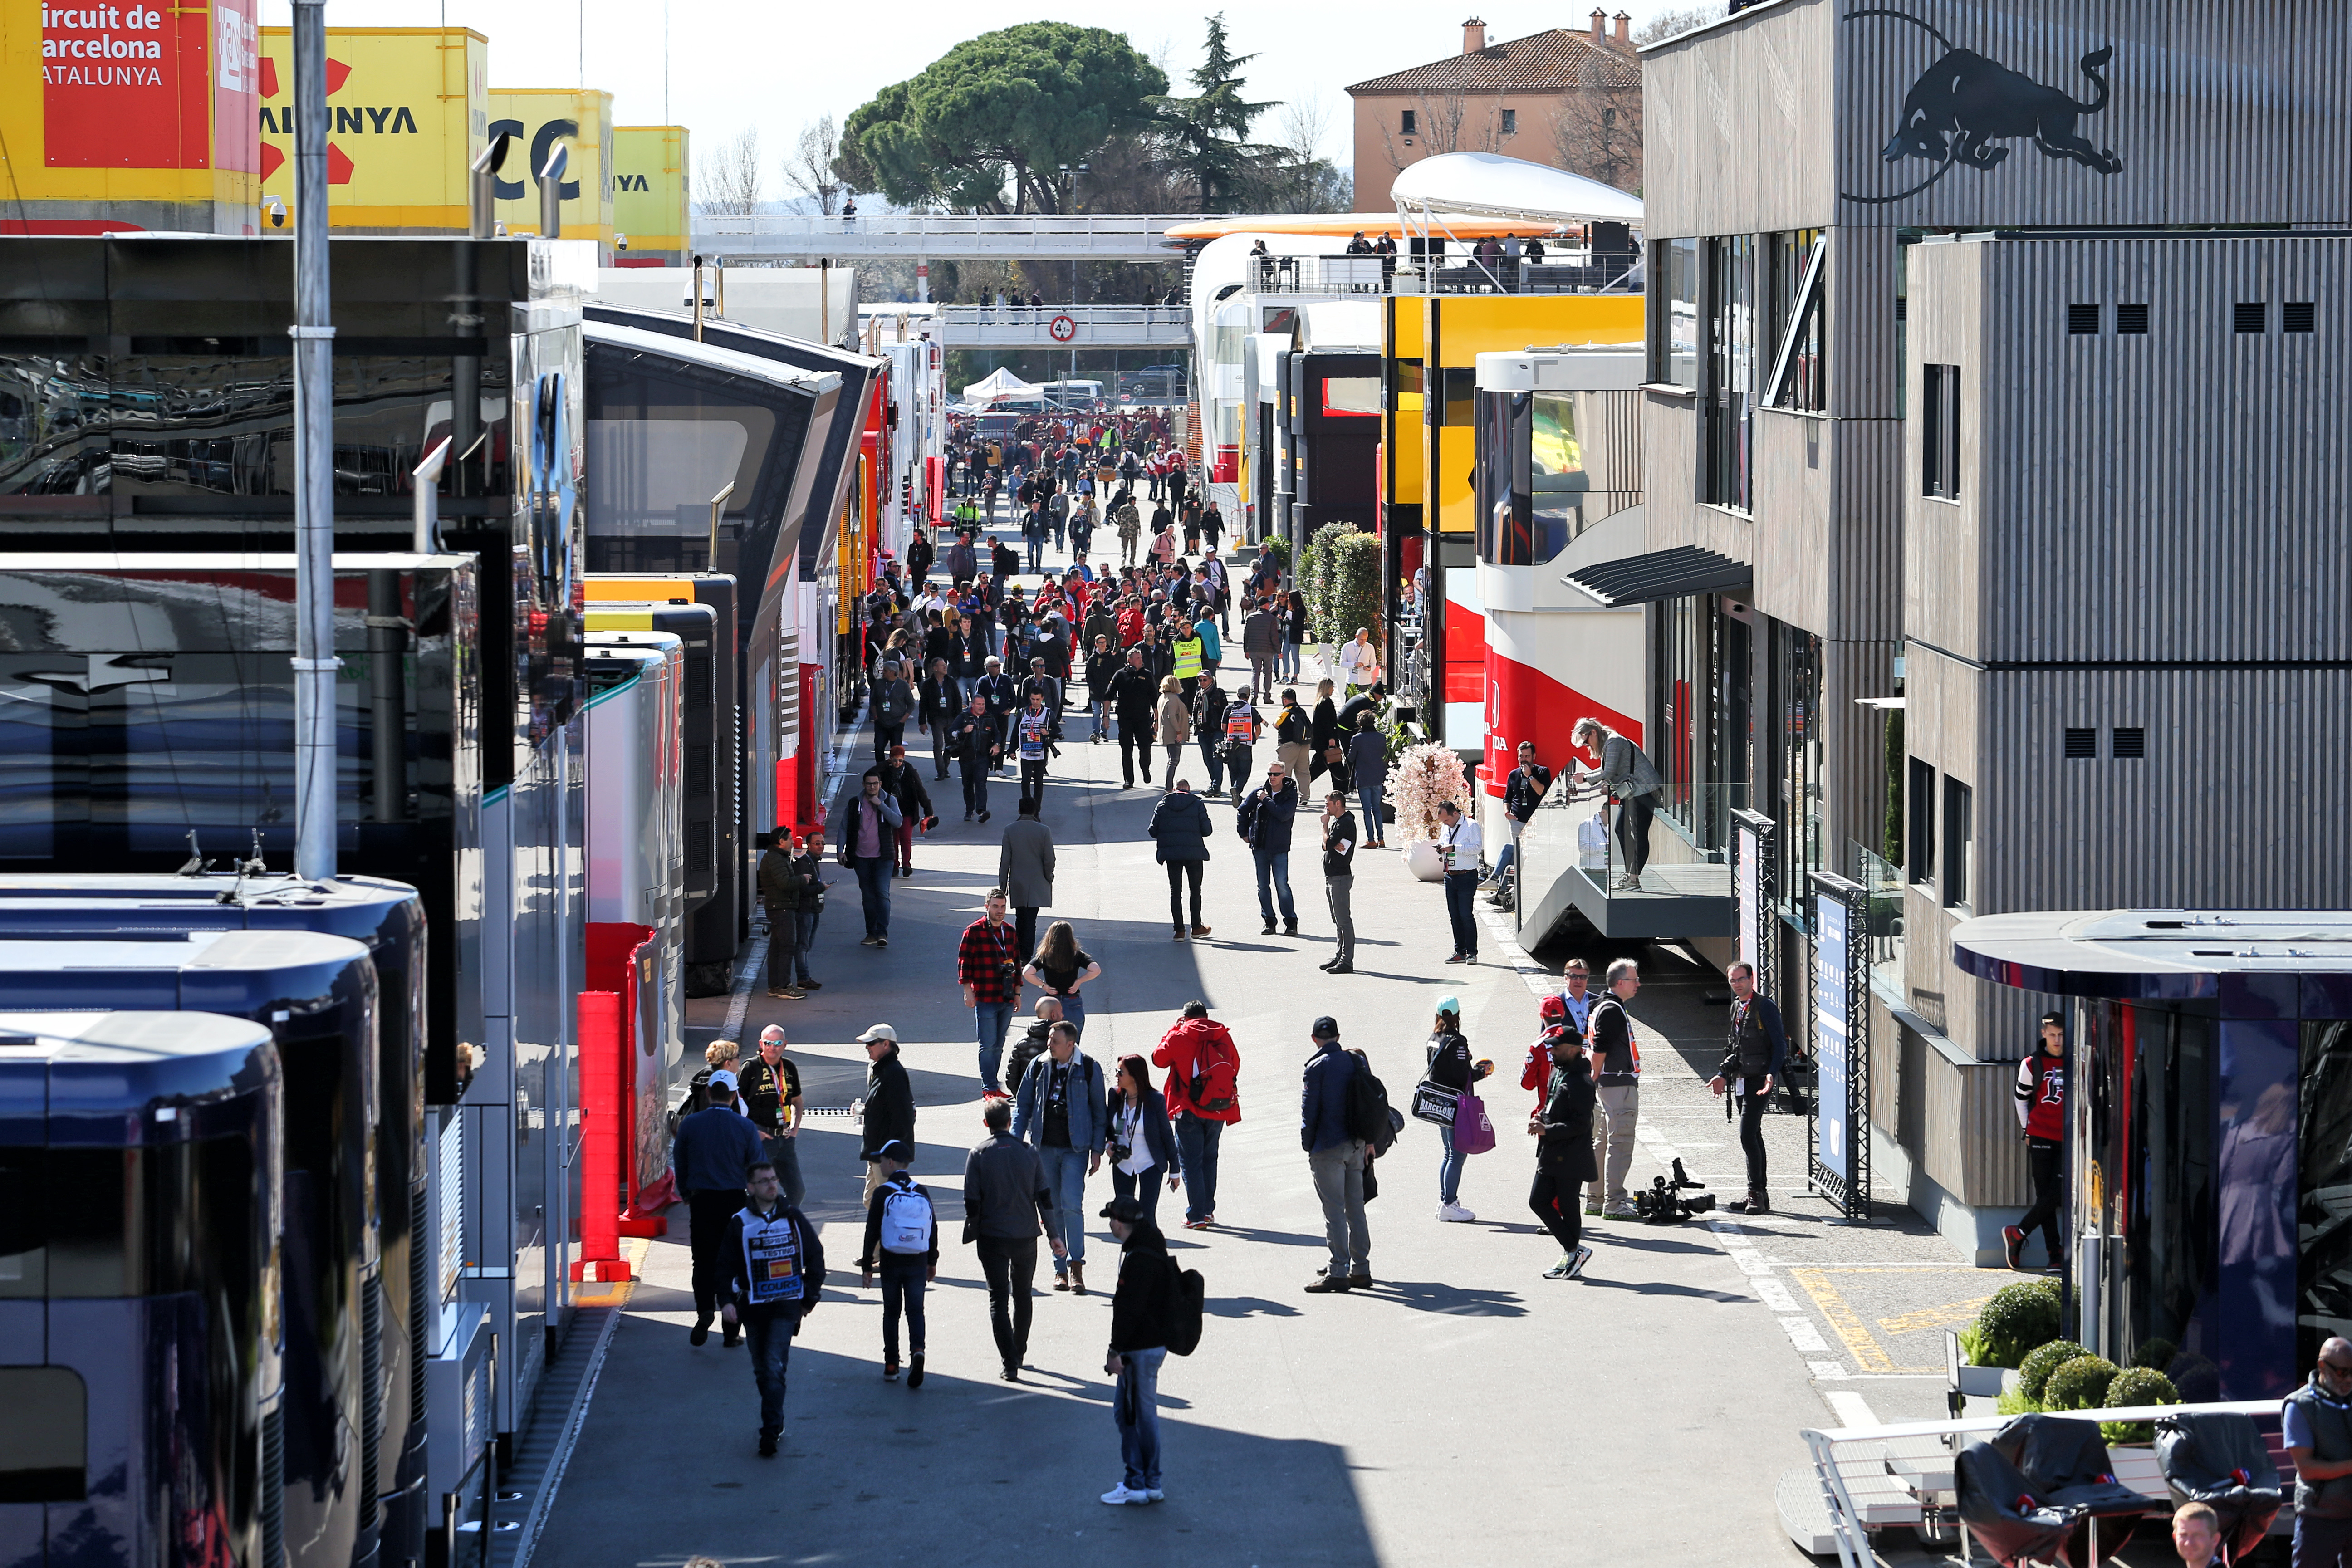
{"type": "Point", "coordinates": [1958, 856]}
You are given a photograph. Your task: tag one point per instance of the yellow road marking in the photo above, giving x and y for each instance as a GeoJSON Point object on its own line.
{"type": "Point", "coordinates": [617, 1295]}
{"type": "Point", "coordinates": [1867, 1354]}
{"type": "Point", "coordinates": [1946, 1316]}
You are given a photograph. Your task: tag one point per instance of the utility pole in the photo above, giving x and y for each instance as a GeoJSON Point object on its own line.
{"type": "Point", "coordinates": [314, 461]}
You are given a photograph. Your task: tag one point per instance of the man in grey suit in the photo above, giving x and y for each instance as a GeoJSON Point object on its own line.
{"type": "Point", "coordinates": [1025, 870]}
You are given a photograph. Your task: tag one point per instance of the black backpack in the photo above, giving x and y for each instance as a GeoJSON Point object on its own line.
{"type": "Point", "coordinates": [1187, 1294]}
{"type": "Point", "coordinates": [1367, 1110]}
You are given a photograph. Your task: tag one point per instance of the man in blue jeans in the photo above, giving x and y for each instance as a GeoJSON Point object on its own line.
{"type": "Point", "coordinates": [989, 961]}
{"type": "Point", "coordinates": [1264, 821]}
{"type": "Point", "coordinates": [1062, 1108]}
{"type": "Point", "coordinates": [1141, 1307]}
{"type": "Point", "coordinates": [811, 862]}
{"type": "Point", "coordinates": [778, 1268]}
{"type": "Point", "coordinates": [869, 843]}
{"type": "Point", "coordinates": [1458, 845]}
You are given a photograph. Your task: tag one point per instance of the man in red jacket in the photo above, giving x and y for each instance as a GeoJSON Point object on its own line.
{"type": "Point", "coordinates": [1203, 1095]}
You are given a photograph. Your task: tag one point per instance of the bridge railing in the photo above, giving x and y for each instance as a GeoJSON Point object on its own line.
{"type": "Point", "coordinates": [1120, 230]}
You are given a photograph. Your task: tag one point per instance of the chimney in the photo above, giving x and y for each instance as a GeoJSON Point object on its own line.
{"type": "Point", "coordinates": [1624, 28]}
{"type": "Point", "coordinates": [1600, 25]}
{"type": "Point", "coordinates": [1474, 35]}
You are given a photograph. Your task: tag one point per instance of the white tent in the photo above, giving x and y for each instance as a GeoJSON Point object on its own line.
{"type": "Point", "coordinates": [1487, 185]}
{"type": "Point", "coordinates": [1000, 383]}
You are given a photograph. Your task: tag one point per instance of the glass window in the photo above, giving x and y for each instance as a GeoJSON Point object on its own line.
{"type": "Point", "coordinates": [1727, 400]}
{"type": "Point", "coordinates": [1673, 312]}
{"type": "Point", "coordinates": [1789, 255]}
{"type": "Point", "coordinates": [1351, 394]}
{"type": "Point", "coordinates": [1797, 689]}
{"type": "Point", "coordinates": [2325, 1238]}
{"type": "Point", "coordinates": [1406, 122]}
{"type": "Point", "coordinates": [1457, 389]}
{"type": "Point", "coordinates": [1920, 795]}
{"type": "Point", "coordinates": [1960, 846]}
{"type": "Point", "coordinates": [45, 1442]}
{"type": "Point", "coordinates": [1510, 123]}
{"type": "Point", "coordinates": [1939, 431]}
{"type": "Point", "coordinates": [1530, 482]}
{"type": "Point", "coordinates": [2161, 1150]}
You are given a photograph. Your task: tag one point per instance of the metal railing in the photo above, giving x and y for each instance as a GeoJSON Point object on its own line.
{"type": "Point", "coordinates": [1883, 882]}
{"type": "Point", "coordinates": [1577, 827]}
{"type": "Point", "coordinates": [1133, 235]}
{"type": "Point", "coordinates": [1573, 272]}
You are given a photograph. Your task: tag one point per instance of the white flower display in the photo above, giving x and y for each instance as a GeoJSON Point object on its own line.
{"type": "Point", "coordinates": [1425, 777]}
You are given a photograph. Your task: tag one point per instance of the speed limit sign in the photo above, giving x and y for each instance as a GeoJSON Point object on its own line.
{"type": "Point", "coordinates": [1063, 328]}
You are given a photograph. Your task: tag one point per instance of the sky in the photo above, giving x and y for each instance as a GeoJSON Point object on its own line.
{"type": "Point", "coordinates": [779, 66]}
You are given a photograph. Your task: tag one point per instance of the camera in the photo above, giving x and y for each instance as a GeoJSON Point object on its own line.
{"type": "Point", "coordinates": [1664, 1204]}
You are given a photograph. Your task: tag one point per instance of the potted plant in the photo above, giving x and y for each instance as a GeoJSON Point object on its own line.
{"type": "Point", "coordinates": [1427, 776]}
{"type": "Point", "coordinates": [2135, 1387]}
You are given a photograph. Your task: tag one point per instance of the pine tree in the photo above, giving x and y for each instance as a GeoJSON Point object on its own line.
{"type": "Point", "coordinates": [1207, 135]}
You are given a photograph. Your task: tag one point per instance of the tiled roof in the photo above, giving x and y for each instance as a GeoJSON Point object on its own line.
{"type": "Point", "coordinates": [1556, 60]}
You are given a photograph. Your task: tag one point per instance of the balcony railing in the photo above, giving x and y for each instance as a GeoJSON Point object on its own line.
{"type": "Point", "coordinates": [1560, 272]}
{"type": "Point", "coordinates": [1579, 851]}
{"type": "Point", "coordinates": [1884, 883]}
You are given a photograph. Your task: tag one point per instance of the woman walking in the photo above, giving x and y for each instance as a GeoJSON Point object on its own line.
{"type": "Point", "coordinates": [1450, 1068]}
{"type": "Point", "coordinates": [1142, 1146]}
{"type": "Point", "coordinates": [1175, 725]}
{"type": "Point", "coordinates": [1562, 1129]}
{"type": "Point", "coordinates": [1059, 968]}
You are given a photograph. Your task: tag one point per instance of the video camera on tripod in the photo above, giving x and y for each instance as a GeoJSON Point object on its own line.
{"type": "Point", "coordinates": [1662, 1201]}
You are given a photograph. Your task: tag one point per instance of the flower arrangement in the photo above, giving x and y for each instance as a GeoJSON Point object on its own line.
{"type": "Point", "coordinates": [1427, 776]}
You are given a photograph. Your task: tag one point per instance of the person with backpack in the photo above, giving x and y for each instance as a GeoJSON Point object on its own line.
{"type": "Point", "coordinates": [1562, 1129]}
{"type": "Point", "coordinates": [1451, 1068]}
{"type": "Point", "coordinates": [1334, 1155]}
{"type": "Point", "coordinates": [778, 1269]}
{"type": "Point", "coordinates": [904, 783]}
{"type": "Point", "coordinates": [902, 1244]}
{"type": "Point", "coordinates": [711, 1156]}
{"type": "Point", "coordinates": [1203, 1099]}
{"type": "Point", "coordinates": [1059, 1108]}
{"type": "Point", "coordinates": [1142, 1148]}
{"type": "Point", "coordinates": [1143, 1313]}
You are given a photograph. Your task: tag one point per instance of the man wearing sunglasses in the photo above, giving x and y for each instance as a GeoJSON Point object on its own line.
{"type": "Point", "coordinates": [2316, 1422]}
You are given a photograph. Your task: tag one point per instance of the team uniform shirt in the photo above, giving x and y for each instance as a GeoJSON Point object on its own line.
{"type": "Point", "coordinates": [766, 1090]}
{"type": "Point", "coordinates": [2041, 1096]}
{"type": "Point", "coordinates": [772, 1261]}
{"type": "Point", "coordinates": [1034, 728]}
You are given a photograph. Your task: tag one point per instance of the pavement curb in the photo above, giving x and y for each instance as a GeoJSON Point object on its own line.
{"type": "Point", "coordinates": [567, 1438]}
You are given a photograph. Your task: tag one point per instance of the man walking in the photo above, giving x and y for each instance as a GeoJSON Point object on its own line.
{"type": "Point", "coordinates": [1457, 847]}
{"type": "Point", "coordinates": [1133, 693]}
{"type": "Point", "coordinates": [771, 1087]}
{"type": "Point", "coordinates": [1755, 1057]}
{"type": "Point", "coordinates": [1142, 1308]}
{"type": "Point", "coordinates": [1063, 1107]}
{"type": "Point", "coordinates": [2041, 1096]}
{"type": "Point", "coordinates": [902, 1241]}
{"type": "Point", "coordinates": [1005, 1207]}
{"type": "Point", "coordinates": [1102, 668]}
{"type": "Point", "coordinates": [1033, 739]}
{"type": "Point", "coordinates": [1262, 643]}
{"type": "Point", "coordinates": [939, 706]}
{"type": "Point", "coordinates": [713, 1152]}
{"type": "Point", "coordinates": [1340, 882]}
{"type": "Point", "coordinates": [1291, 730]}
{"type": "Point", "coordinates": [1264, 822]}
{"type": "Point", "coordinates": [1203, 1098]}
{"type": "Point", "coordinates": [868, 842]}
{"type": "Point", "coordinates": [776, 1267]}
{"type": "Point", "coordinates": [1025, 870]}
{"type": "Point", "coordinates": [975, 746]}
{"type": "Point", "coordinates": [1179, 830]}
{"type": "Point", "coordinates": [1336, 1159]}
{"type": "Point", "coordinates": [1617, 1070]}
{"type": "Point", "coordinates": [989, 961]}
{"type": "Point", "coordinates": [887, 1112]}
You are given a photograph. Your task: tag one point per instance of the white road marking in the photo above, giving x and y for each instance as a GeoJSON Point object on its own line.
{"type": "Point", "coordinates": [1803, 1335]}
{"type": "Point", "coordinates": [1773, 1294]}
{"type": "Point", "coordinates": [1849, 1407]}
{"type": "Point", "coordinates": [1827, 1368]}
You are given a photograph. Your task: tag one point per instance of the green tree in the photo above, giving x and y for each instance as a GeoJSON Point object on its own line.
{"type": "Point", "coordinates": [1207, 135]}
{"type": "Point", "coordinates": [991, 125]}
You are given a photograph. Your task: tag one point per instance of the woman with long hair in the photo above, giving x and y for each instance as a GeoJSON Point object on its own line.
{"type": "Point", "coordinates": [1450, 1066]}
{"type": "Point", "coordinates": [1143, 1147]}
{"type": "Point", "coordinates": [1059, 968]}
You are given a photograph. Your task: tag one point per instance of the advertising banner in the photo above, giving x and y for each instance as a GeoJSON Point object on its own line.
{"type": "Point", "coordinates": [1833, 1033]}
{"type": "Point", "coordinates": [539, 119]}
{"type": "Point", "coordinates": [649, 194]}
{"type": "Point", "coordinates": [406, 110]}
{"type": "Point", "coordinates": [125, 87]}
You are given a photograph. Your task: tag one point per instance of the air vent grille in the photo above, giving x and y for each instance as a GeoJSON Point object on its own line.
{"type": "Point", "coordinates": [2131, 321]}
{"type": "Point", "coordinates": [2082, 744]}
{"type": "Point", "coordinates": [2082, 321]}
{"type": "Point", "coordinates": [2131, 743]}
{"type": "Point", "coordinates": [2251, 316]}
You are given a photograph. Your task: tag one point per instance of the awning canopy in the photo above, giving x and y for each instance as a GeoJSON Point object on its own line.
{"type": "Point", "coordinates": [1488, 184]}
{"type": "Point", "coordinates": [1673, 573]}
{"type": "Point", "coordinates": [1000, 382]}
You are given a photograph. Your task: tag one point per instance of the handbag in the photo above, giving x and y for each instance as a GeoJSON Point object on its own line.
{"type": "Point", "coordinates": [1433, 1103]}
{"type": "Point", "coordinates": [1474, 1131]}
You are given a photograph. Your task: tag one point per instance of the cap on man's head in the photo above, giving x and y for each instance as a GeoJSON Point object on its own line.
{"type": "Point", "coordinates": [1325, 1028]}
{"type": "Point", "coordinates": [724, 1079]}
{"type": "Point", "coordinates": [1450, 1005]}
{"type": "Point", "coordinates": [1126, 1211]}
{"type": "Point", "coordinates": [895, 1149]}
{"type": "Point", "coordinates": [878, 1032]}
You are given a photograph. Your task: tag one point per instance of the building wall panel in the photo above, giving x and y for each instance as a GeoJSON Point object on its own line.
{"type": "Point", "coordinates": [1734, 136]}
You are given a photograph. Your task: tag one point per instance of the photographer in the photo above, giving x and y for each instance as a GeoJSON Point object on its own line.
{"type": "Point", "coordinates": [1755, 1056]}
{"type": "Point", "coordinates": [1563, 1132]}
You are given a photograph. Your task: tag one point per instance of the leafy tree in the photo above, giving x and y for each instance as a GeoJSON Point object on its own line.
{"type": "Point", "coordinates": [990, 125]}
{"type": "Point", "coordinates": [1207, 136]}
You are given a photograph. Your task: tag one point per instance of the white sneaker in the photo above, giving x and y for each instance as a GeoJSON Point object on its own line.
{"type": "Point", "coordinates": [1623, 1208]}
{"type": "Point", "coordinates": [1156, 1495]}
{"type": "Point", "coordinates": [1575, 1262]}
{"type": "Point", "coordinates": [1120, 1494]}
{"type": "Point", "coordinates": [1454, 1212]}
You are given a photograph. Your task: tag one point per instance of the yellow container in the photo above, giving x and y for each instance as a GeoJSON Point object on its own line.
{"type": "Point", "coordinates": [128, 116]}
{"type": "Point", "coordinates": [649, 194]}
{"type": "Point", "coordinates": [538, 118]}
{"type": "Point", "coordinates": [407, 108]}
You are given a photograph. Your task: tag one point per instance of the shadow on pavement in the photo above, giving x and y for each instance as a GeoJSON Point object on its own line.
{"type": "Point", "coordinates": [1454, 1300]}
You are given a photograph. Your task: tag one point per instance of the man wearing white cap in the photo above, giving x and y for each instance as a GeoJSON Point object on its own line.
{"type": "Point", "coordinates": [713, 1149]}
{"type": "Point", "coordinates": [888, 1109]}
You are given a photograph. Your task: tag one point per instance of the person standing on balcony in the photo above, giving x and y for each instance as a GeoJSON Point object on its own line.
{"type": "Point", "coordinates": [1626, 775]}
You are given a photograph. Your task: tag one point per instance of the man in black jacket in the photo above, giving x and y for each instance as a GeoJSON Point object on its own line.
{"type": "Point", "coordinates": [1755, 1056]}
{"type": "Point", "coordinates": [1139, 1312]}
{"type": "Point", "coordinates": [904, 784]}
{"type": "Point", "coordinates": [888, 1107]}
{"type": "Point", "coordinates": [1003, 699]}
{"type": "Point", "coordinates": [777, 1266]}
{"type": "Point", "coordinates": [1005, 1205]}
{"type": "Point", "coordinates": [709, 1156]}
{"type": "Point", "coordinates": [1102, 668]}
{"type": "Point", "coordinates": [781, 888]}
{"type": "Point", "coordinates": [1340, 882]}
{"type": "Point", "coordinates": [1264, 821]}
{"type": "Point", "coordinates": [976, 742]}
{"type": "Point", "coordinates": [1522, 792]}
{"type": "Point", "coordinates": [1562, 1129]}
{"type": "Point", "coordinates": [1134, 692]}
{"type": "Point", "coordinates": [940, 702]}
